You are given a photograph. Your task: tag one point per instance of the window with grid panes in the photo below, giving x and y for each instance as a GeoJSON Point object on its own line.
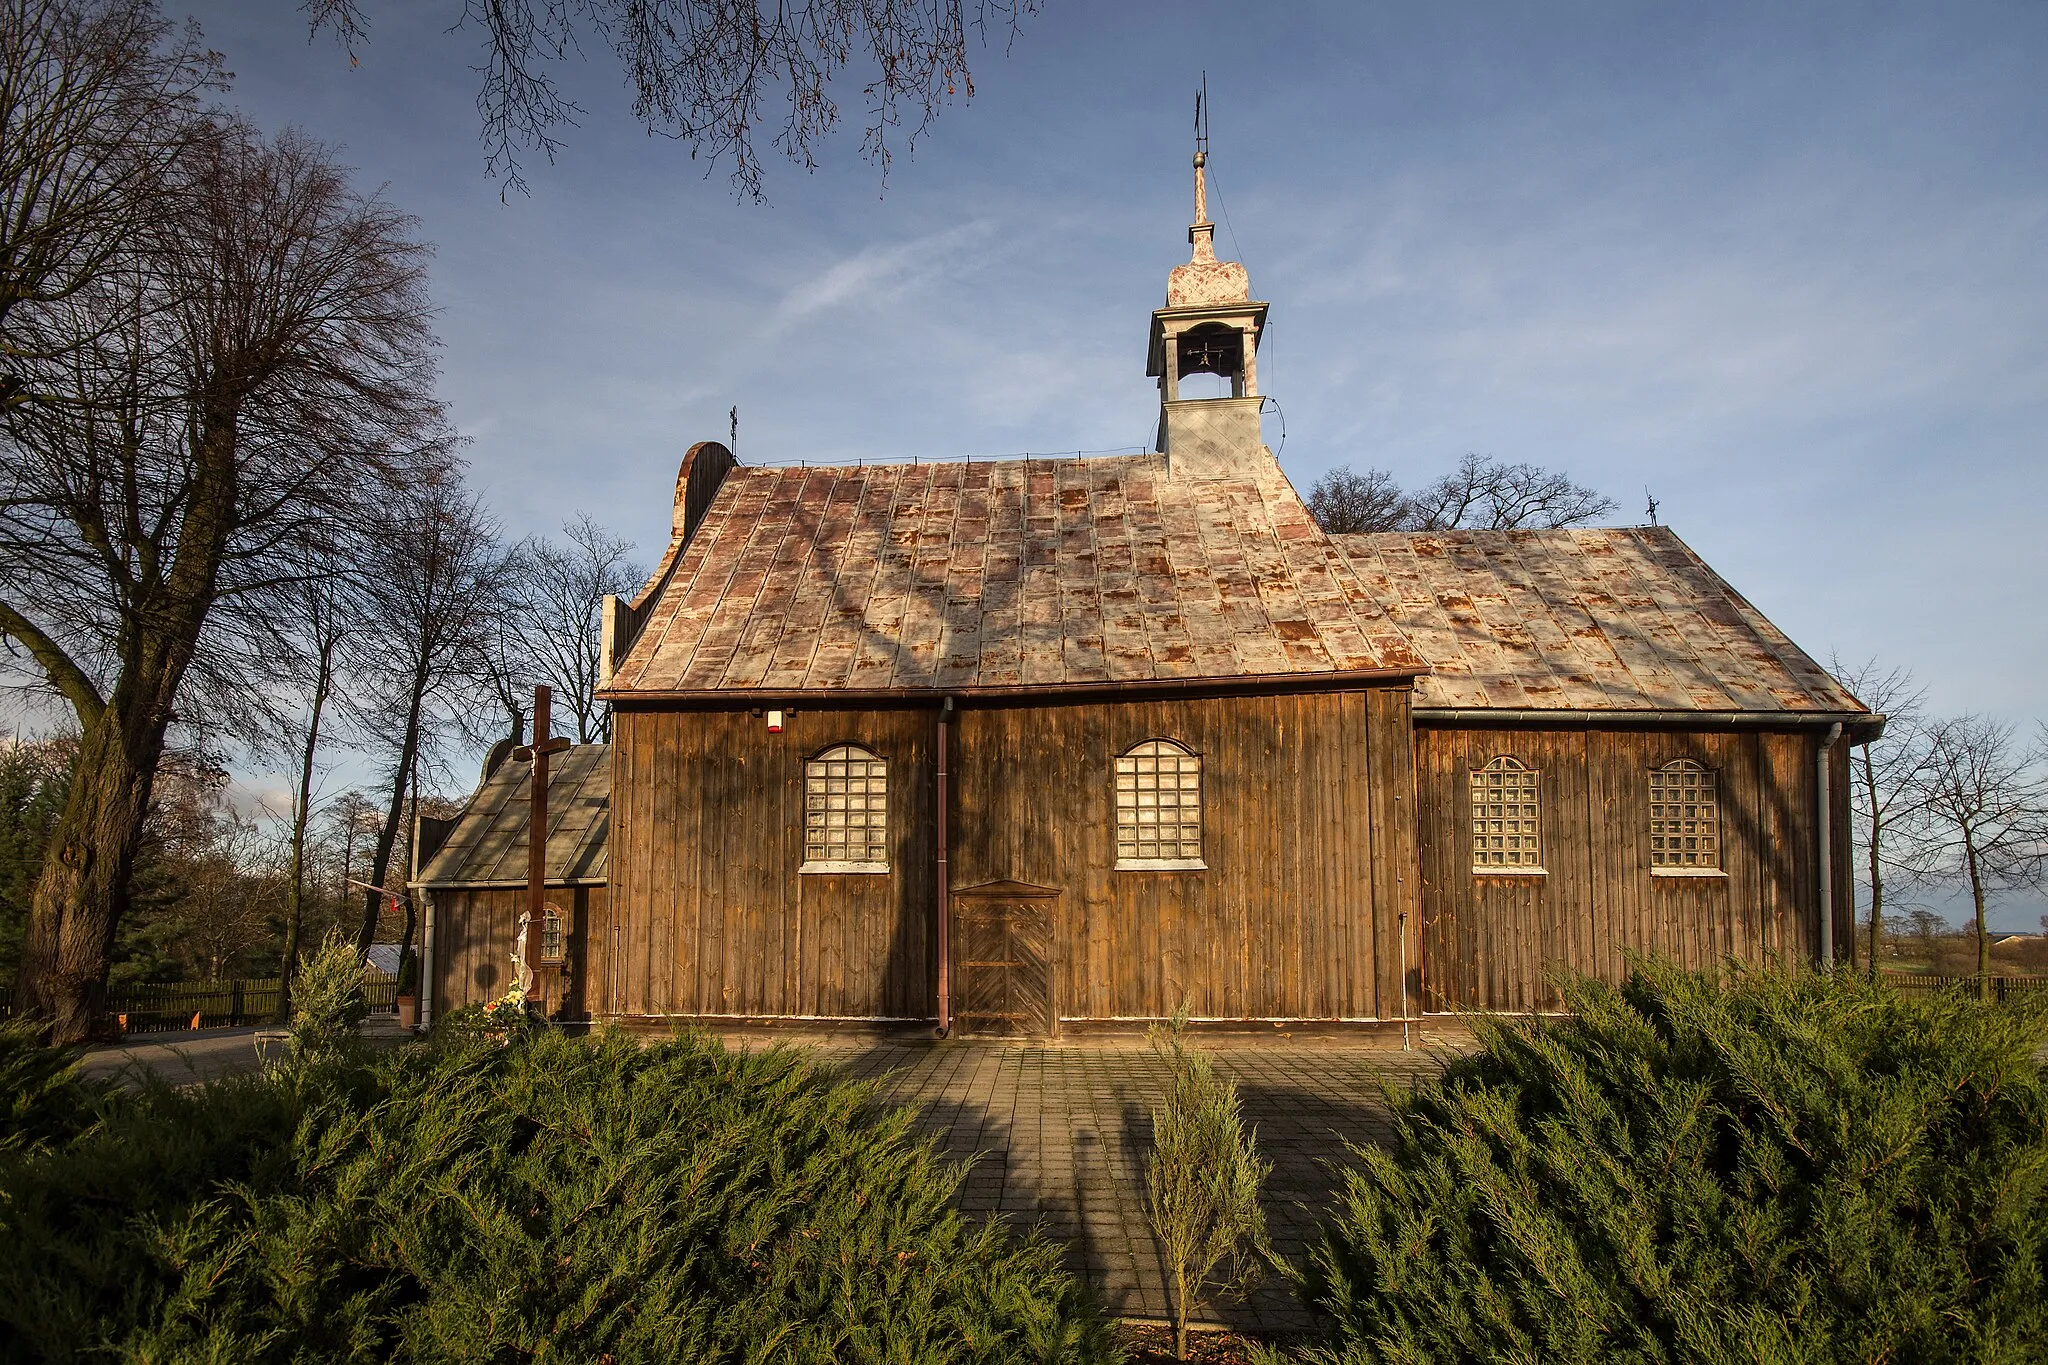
{"type": "Point", "coordinates": [846, 811]}
{"type": "Point", "coordinates": [1685, 817]}
{"type": "Point", "coordinates": [1158, 807]}
{"type": "Point", "coordinates": [1506, 817]}
{"type": "Point", "coordinates": [550, 934]}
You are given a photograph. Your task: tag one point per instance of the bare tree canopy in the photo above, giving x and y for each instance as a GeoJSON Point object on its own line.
{"type": "Point", "coordinates": [96, 104]}
{"type": "Point", "coordinates": [1344, 502]}
{"type": "Point", "coordinates": [235, 383]}
{"type": "Point", "coordinates": [1481, 493]}
{"type": "Point", "coordinates": [704, 72]}
{"type": "Point", "coordinates": [1979, 817]}
{"type": "Point", "coordinates": [1885, 772]}
{"type": "Point", "coordinates": [433, 603]}
{"type": "Point", "coordinates": [554, 629]}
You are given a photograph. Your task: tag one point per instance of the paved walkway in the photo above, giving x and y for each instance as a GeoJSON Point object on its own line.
{"type": "Point", "coordinates": [179, 1058]}
{"type": "Point", "coordinates": [1058, 1131]}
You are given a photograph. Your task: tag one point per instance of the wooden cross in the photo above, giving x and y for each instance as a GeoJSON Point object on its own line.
{"type": "Point", "coordinates": [537, 826]}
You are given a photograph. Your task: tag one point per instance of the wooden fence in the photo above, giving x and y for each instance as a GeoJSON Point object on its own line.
{"type": "Point", "coordinates": [171, 1006]}
{"type": "Point", "coordinates": [2002, 987]}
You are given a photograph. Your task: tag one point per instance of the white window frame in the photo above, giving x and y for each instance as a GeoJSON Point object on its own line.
{"type": "Point", "coordinates": [1129, 776]}
{"type": "Point", "coordinates": [1489, 789]}
{"type": "Point", "coordinates": [860, 766]}
{"type": "Point", "coordinates": [1708, 783]}
{"type": "Point", "coordinates": [552, 921]}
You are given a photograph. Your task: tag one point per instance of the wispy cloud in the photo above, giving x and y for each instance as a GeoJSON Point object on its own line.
{"type": "Point", "coordinates": [885, 271]}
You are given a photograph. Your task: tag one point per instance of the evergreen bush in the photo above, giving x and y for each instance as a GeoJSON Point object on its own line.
{"type": "Point", "coordinates": [42, 1098]}
{"type": "Point", "coordinates": [1763, 1166]}
{"type": "Point", "coordinates": [329, 1002]}
{"type": "Point", "coordinates": [1202, 1183]}
{"type": "Point", "coordinates": [547, 1199]}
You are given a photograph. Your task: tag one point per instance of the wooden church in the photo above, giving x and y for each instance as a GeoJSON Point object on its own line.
{"type": "Point", "coordinates": [1029, 746]}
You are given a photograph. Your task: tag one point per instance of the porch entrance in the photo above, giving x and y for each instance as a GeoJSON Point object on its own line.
{"type": "Point", "coordinates": [1005, 960]}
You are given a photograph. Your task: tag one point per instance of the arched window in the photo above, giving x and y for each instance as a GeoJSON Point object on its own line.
{"type": "Point", "coordinates": [1685, 818]}
{"type": "Point", "coordinates": [551, 934]}
{"type": "Point", "coordinates": [1507, 817]}
{"type": "Point", "coordinates": [1158, 807]}
{"type": "Point", "coordinates": [846, 811]}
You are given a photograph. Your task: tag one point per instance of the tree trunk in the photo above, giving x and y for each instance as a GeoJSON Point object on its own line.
{"type": "Point", "coordinates": [82, 889]}
{"type": "Point", "coordinates": [1876, 872]}
{"type": "Point", "coordinates": [408, 754]}
{"type": "Point", "coordinates": [295, 889]}
{"type": "Point", "coordinates": [1970, 856]}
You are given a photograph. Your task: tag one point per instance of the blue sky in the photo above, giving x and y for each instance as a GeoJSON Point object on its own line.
{"type": "Point", "coordinates": [1783, 265]}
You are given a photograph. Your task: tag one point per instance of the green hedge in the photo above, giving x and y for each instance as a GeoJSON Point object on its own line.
{"type": "Point", "coordinates": [1766, 1167]}
{"type": "Point", "coordinates": [550, 1200]}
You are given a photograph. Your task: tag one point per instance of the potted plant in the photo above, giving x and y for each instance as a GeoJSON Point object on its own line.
{"type": "Point", "coordinates": [409, 990]}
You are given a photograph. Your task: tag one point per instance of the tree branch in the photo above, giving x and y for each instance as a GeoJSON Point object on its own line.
{"type": "Point", "coordinates": [64, 675]}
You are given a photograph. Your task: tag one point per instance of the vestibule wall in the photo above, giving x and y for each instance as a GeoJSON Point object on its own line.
{"type": "Point", "coordinates": [473, 931]}
{"type": "Point", "coordinates": [1492, 937]}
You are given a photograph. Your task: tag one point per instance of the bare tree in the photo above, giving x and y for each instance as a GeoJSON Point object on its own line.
{"type": "Point", "coordinates": [433, 603]}
{"type": "Point", "coordinates": [258, 375]}
{"type": "Point", "coordinates": [1343, 502]}
{"type": "Point", "coordinates": [1887, 770]}
{"type": "Point", "coordinates": [553, 628]}
{"type": "Point", "coordinates": [704, 71]}
{"type": "Point", "coordinates": [321, 617]}
{"type": "Point", "coordinates": [98, 99]}
{"type": "Point", "coordinates": [1484, 493]}
{"type": "Point", "coordinates": [1980, 805]}
{"type": "Point", "coordinates": [1481, 492]}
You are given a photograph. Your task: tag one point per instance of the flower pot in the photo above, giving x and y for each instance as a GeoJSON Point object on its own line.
{"type": "Point", "coordinates": [408, 1011]}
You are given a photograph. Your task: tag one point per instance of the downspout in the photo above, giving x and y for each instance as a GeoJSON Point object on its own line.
{"type": "Point", "coordinates": [939, 915]}
{"type": "Point", "coordinates": [427, 960]}
{"type": "Point", "coordinates": [1824, 844]}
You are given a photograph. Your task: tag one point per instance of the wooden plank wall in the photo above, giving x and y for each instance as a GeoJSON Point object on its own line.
{"type": "Point", "coordinates": [1306, 835]}
{"type": "Point", "coordinates": [713, 917]}
{"type": "Point", "coordinates": [473, 932]}
{"type": "Point", "coordinates": [1492, 939]}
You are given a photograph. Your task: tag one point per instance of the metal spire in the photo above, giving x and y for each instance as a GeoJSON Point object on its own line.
{"type": "Point", "coordinates": [1201, 235]}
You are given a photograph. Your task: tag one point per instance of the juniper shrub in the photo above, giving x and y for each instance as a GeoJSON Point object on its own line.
{"type": "Point", "coordinates": [543, 1199]}
{"type": "Point", "coordinates": [1763, 1166]}
{"type": "Point", "coordinates": [1203, 1177]}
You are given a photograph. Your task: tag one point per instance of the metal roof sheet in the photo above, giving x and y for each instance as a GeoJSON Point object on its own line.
{"type": "Point", "coordinates": [1013, 573]}
{"type": "Point", "coordinates": [488, 844]}
{"type": "Point", "coordinates": [1583, 619]}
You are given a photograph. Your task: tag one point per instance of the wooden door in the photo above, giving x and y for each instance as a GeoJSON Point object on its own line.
{"type": "Point", "coordinates": [1005, 963]}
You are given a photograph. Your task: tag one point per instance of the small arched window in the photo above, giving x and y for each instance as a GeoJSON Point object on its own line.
{"type": "Point", "coordinates": [551, 934]}
{"type": "Point", "coordinates": [1159, 807]}
{"type": "Point", "coordinates": [1507, 817]}
{"type": "Point", "coordinates": [846, 811]}
{"type": "Point", "coordinates": [1685, 818]}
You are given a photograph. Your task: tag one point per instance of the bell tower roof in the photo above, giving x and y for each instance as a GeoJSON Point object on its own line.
{"type": "Point", "coordinates": [1204, 279]}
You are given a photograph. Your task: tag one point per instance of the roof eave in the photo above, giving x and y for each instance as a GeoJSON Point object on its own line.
{"type": "Point", "coordinates": [733, 698]}
{"type": "Point", "coordinates": [1863, 726]}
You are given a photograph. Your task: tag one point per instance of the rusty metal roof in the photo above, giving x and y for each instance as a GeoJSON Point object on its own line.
{"type": "Point", "coordinates": [1014, 573]}
{"type": "Point", "coordinates": [487, 847]}
{"type": "Point", "coordinates": [1603, 620]}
